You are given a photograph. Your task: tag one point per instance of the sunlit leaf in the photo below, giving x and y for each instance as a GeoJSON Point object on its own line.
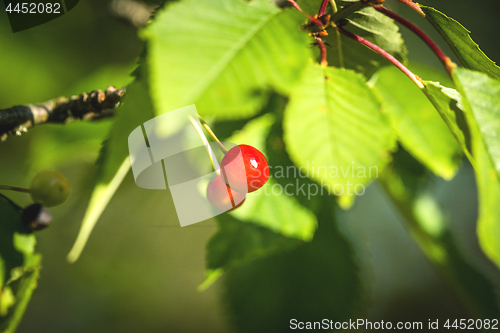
{"type": "Point", "coordinates": [224, 55]}
{"type": "Point", "coordinates": [369, 24]}
{"type": "Point", "coordinates": [419, 127]}
{"type": "Point", "coordinates": [335, 131]}
{"type": "Point", "coordinates": [448, 103]}
{"type": "Point", "coordinates": [481, 97]}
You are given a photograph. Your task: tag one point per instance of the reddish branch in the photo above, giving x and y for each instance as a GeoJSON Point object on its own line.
{"type": "Point", "coordinates": [98, 104]}
{"type": "Point", "coordinates": [296, 5]}
{"type": "Point", "coordinates": [322, 9]}
{"type": "Point", "coordinates": [310, 17]}
{"type": "Point", "coordinates": [448, 64]}
{"type": "Point", "coordinates": [413, 6]}
{"type": "Point", "coordinates": [322, 48]}
{"type": "Point", "coordinates": [385, 54]}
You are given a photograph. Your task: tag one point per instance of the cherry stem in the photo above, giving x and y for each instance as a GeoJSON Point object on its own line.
{"type": "Point", "coordinates": [13, 188]}
{"type": "Point", "coordinates": [296, 5]}
{"type": "Point", "coordinates": [311, 18]}
{"type": "Point", "coordinates": [212, 135]}
{"type": "Point", "coordinates": [315, 21]}
{"type": "Point", "coordinates": [211, 154]}
{"type": "Point", "coordinates": [413, 6]}
{"type": "Point", "coordinates": [446, 61]}
{"type": "Point", "coordinates": [322, 47]}
{"type": "Point", "coordinates": [322, 9]}
{"type": "Point", "coordinates": [334, 6]}
{"type": "Point", "coordinates": [384, 54]}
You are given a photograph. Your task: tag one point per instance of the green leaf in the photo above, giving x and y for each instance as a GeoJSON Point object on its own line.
{"type": "Point", "coordinates": [448, 103]}
{"type": "Point", "coordinates": [237, 243]}
{"type": "Point", "coordinates": [114, 162]}
{"type": "Point", "coordinates": [19, 265]}
{"type": "Point", "coordinates": [333, 128]}
{"type": "Point", "coordinates": [467, 51]}
{"type": "Point", "coordinates": [481, 96]}
{"type": "Point", "coordinates": [418, 126]}
{"type": "Point", "coordinates": [224, 55]}
{"type": "Point", "coordinates": [314, 281]}
{"type": "Point", "coordinates": [488, 184]}
{"type": "Point", "coordinates": [371, 25]}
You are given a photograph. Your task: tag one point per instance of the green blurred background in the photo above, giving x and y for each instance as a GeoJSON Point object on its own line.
{"type": "Point", "coordinates": [140, 269]}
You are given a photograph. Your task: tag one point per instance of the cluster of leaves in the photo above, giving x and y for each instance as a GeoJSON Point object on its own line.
{"type": "Point", "coordinates": [251, 62]}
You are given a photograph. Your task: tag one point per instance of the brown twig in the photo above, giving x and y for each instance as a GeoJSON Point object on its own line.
{"type": "Point", "coordinates": [96, 105]}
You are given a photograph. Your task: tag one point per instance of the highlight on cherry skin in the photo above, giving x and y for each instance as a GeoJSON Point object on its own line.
{"type": "Point", "coordinates": [49, 188]}
{"type": "Point", "coordinates": [244, 169]}
{"type": "Point", "coordinates": [222, 197]}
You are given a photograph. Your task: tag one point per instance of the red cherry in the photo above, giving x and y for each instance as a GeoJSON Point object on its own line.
{"type": "Point", "coordinates": [244, 169]}
{"type": "Point", "coordinates": [222, 197]}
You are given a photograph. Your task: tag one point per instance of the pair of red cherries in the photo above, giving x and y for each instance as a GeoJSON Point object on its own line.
{"type": "Point", "coordinates": [244, 169]}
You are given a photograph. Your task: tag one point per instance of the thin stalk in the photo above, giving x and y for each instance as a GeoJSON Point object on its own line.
{"type": "Point", "coordinates": [339, 42]}
{"type": "Point", "coordinates": [446, 61]}
{"type": "Point", "coordinates": [384, 54]}
{"type": "Point", "coordinates": [322, 47]}
{"type": "Point", "coordinates": [212, 135]}
{"type": "Point", "coordinates": [322, 9]}
{"type": "Point", "coordinates": [310, 17]}
{"type": "Point", "coordinates": [211, 154]}
{"type": "Point", "coordinates": [413, 6]}
{"type": "Point", "coordinates": [315, 21]}
{"type": "Point", "coordinates": [13, 188]}
{"type": "Point", "coordinates": [334, 6]}
{"type": "Point", "coordinates": [296, 5]}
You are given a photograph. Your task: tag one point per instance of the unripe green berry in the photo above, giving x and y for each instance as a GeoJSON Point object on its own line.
{"type": "Point", "coordinates": [49, 188]}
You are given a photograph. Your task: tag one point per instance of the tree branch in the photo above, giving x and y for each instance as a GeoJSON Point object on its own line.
{"type": "Point", "coordinates": [95, 105]}
{"type": "Point", "coordinates": [446, 61]}
{"type": "Point", "coordinates": [384, 54]}
{"type": "Point", "coordinates": [322, 48]}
